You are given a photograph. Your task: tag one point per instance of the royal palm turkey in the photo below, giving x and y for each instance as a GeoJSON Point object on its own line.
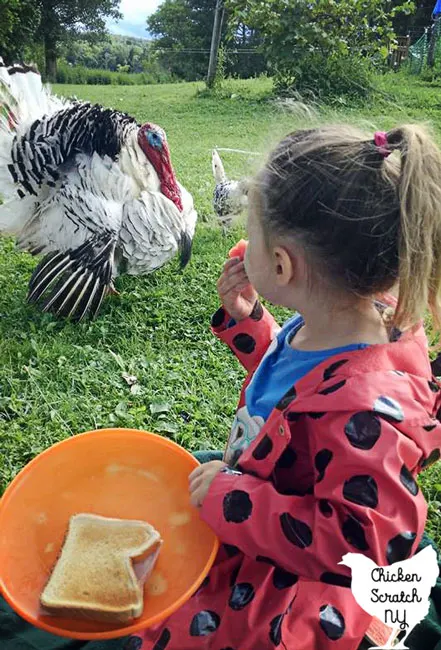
{"type": "Point", "coordinates": [88, 188]}
{"type": "Point", "coordinates": [230, 198]}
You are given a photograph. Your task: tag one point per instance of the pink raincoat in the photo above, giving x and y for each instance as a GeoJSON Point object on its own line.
{"type": "Point", "coordinates": [332, 471]}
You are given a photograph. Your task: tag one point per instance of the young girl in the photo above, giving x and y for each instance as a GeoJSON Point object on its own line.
{"type": "Point", "coordinates": [338, 413]}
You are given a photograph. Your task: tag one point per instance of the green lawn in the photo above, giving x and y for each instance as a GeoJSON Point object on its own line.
{"type": "Point", "coordinates": [57, 379]}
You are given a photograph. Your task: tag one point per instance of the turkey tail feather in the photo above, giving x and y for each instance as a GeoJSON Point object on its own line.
{"type": "Point", "coordinates": [185, 245]}
{"type": "Point", "coordinates": [73, 284]}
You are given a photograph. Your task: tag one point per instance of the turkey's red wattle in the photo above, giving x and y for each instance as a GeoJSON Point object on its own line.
{"type": "Point", "coordinates": [159, 156]}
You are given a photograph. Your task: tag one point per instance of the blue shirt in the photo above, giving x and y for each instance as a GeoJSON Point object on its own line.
{"type": "Point", "coordinates": [282, 367]}
{"type": "Point", "coordinates": [279, 370]}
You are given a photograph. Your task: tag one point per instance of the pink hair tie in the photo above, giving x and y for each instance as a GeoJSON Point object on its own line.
{"type": "Point", "coordinates": [380, 139]}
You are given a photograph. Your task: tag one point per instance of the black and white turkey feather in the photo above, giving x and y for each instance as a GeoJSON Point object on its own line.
{"type": "Point", "coordinates": [230, 198]}
{"type": "Point", "coordinates": [90, 189]}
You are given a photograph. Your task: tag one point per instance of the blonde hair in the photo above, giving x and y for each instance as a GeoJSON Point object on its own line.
{"type": "Point", "coordinates": [366, 220]}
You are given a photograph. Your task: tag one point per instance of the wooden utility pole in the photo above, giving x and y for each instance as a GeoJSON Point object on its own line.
{"type": "Point", "coordinates": [432, 43]}
{"type": "Point", "coordinates": [215, 42]}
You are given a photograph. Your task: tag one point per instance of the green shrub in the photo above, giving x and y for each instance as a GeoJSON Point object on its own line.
{"type": "Point", "coordinates": [68, 74]}
{"type": "Point", "coordinates": [327, 78]}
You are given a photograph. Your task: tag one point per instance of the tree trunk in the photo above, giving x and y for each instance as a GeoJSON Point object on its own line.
{"type": "Point", "coordinates": [50, 54]}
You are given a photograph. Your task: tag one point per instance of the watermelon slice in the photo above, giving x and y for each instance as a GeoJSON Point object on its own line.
{"type": "Point", "coordinates": [239, 249]}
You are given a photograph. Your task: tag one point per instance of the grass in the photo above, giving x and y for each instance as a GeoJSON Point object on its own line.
{"type": "Point", "coordinates": [58, 379]}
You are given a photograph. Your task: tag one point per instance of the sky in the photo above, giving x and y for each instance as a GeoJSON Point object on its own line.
{"type": "Point", "coordinates": [135, 13]}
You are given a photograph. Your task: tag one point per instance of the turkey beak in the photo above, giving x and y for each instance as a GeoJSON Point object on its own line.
{"type": "Point", "coordinates": [185, 246]}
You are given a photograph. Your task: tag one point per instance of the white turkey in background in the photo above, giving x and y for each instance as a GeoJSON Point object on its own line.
{"type": "Point", "coordinates": [90, 189]}
{"type": "Point", "coordinates": [229, 197]}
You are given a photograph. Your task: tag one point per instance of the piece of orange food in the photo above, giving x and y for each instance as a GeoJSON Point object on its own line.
{"type": "Point", "coordinates": [239, 249]}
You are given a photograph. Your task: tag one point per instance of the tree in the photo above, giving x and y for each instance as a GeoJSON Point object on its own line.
{"type": "Point", "coordinates": [183, 35]}
{"type": "Point", "coordinates": [63, 18]}
{"type": "Point", "coordinates": [183, 30]}
{"type": "Point", "coordinates": [303, 38]}
{"type": "Point", "coordinates": [19, 20]}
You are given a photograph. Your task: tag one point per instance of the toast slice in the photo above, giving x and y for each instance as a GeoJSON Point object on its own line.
{"type": "Point", "coordinates": [94, 576]}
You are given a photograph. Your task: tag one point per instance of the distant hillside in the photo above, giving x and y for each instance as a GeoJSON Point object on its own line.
{"type": "Point", "coordinates": [117, 53]}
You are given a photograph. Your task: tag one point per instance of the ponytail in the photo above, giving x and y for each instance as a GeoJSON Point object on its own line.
{"type": "Point", "coordinates": [419, 192]}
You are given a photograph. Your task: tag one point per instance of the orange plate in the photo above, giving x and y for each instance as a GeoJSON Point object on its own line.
{"type": "Point", "coordinates": [120, 473]}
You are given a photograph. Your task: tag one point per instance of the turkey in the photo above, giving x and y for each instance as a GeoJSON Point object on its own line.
{"type": "Point", "coordinates": [229, 197]}
{"type": "Point", "coordinates": [90, 189]}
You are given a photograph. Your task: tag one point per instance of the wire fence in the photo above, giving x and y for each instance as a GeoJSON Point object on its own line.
{"type": "Point", "coordinates": [426, 51]}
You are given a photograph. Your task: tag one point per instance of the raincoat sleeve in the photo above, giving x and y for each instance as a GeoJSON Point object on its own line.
{"type": "Point", "coordinates": [249, 339]}
{"type": "Point", "coordinates": [365, 500]}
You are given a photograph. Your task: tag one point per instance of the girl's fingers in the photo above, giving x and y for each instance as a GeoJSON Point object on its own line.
{"type": "Point", "coordinates": [196, 472]}
{"type": "Point", "coordinates": [195, 485]}
{"type": "Point", "coordinates": [236, 275]}
{"type": "Point", "coordinates": [234, 286]}
{"type": "Point", "coordinates": [230, 263]}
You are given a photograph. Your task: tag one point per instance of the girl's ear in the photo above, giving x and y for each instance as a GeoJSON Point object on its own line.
{"type": "Point", "coordinates": [284, 266]}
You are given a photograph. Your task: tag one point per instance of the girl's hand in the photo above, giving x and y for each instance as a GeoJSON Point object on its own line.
{"type": "Point", "coordinates": [200, 480]}
{"type": "Point", "coordinates": [238, 296]}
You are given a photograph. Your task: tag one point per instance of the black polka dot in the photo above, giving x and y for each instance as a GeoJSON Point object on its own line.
{"type": "Point", "coordinates": [231, 550]}
{"type": "Point", "coordinates": [244, 343]}
{"type": "Point", "coordinates": [433, 457]}
{"type": "Point", "coordinates": [362, 490]}
{"type": "Point", "coordinates": [363, 430]}
{"type": "Point", "coordinates": [229, 648]}
{"type": "Point", "coordinates": [204, 623]}
{"type": "Point", "coordinates": [133, 643]}
{"type": "Point", "coordinates": [354, 534]}
{"type": "Point", "coordinates": [329, 372]}
{"type": "Point", "coordinates": [292, 416]}
{"type": "Point", "coordinates": [263, 449]}
{"type": "Point", "coordinates": [295, 492]}
{"type": "Point", "coordinates": [316, 415]}
{"type": "Point", "coordinates": [234, 574]}
{"type": "Point", "coordinates": [287, 399]}
{"type": "Point", "coordinates": [332, 622]}
{"type": "Point", "coordinates": [205, 583]}
{"type": "Point", "coordinates": [430, 427]}
{"type": "Point", "coordinates": [284, 579]}
{"type": "Point", "coordinates": [389, 408]}
{"type": "Point", "coordinates": [218, 318]}
{"type": "Point", "coordinates": [408, 481]}
{"type": "Point", "coordinates": [325, 508]}
{"type": "Point", "coordinates": [163, 640]}
{"type": "Point", "coordinates": [237, 506]}
{"type": "Point", "coordinates": [257, 313]}
{"type": "Point", "coordinates": [241, 595]}
{"type": "Point", "coordinates": [399, 547]}
{"type": "Point", "coordinates": [287, 459]}
{"type": "Point", "coordinates": [275, 634]}
{"type": "Point", "coordinates": [266, 560]}
{"type": "Point", "coordinates": [321, 461]}
{"type": "Point", "coordinates": [296, 531]}
{"type": "Point", "coordinates": [333, 388]}
{"type": "Point", "coordinates": [433, 386]}
{"type": "Point", "coordinates": [335, 579]}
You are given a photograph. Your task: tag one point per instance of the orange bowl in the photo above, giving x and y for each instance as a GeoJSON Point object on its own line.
{"type": "Point", "coordinates": [121, 473]}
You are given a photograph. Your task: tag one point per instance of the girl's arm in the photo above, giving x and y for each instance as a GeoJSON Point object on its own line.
{"type": "Point", "coordinates": [250, 338]}
{"type": "Point", "coordinates": [362, 502]}
{"type": "Point", "coordinates": [242, 323]}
